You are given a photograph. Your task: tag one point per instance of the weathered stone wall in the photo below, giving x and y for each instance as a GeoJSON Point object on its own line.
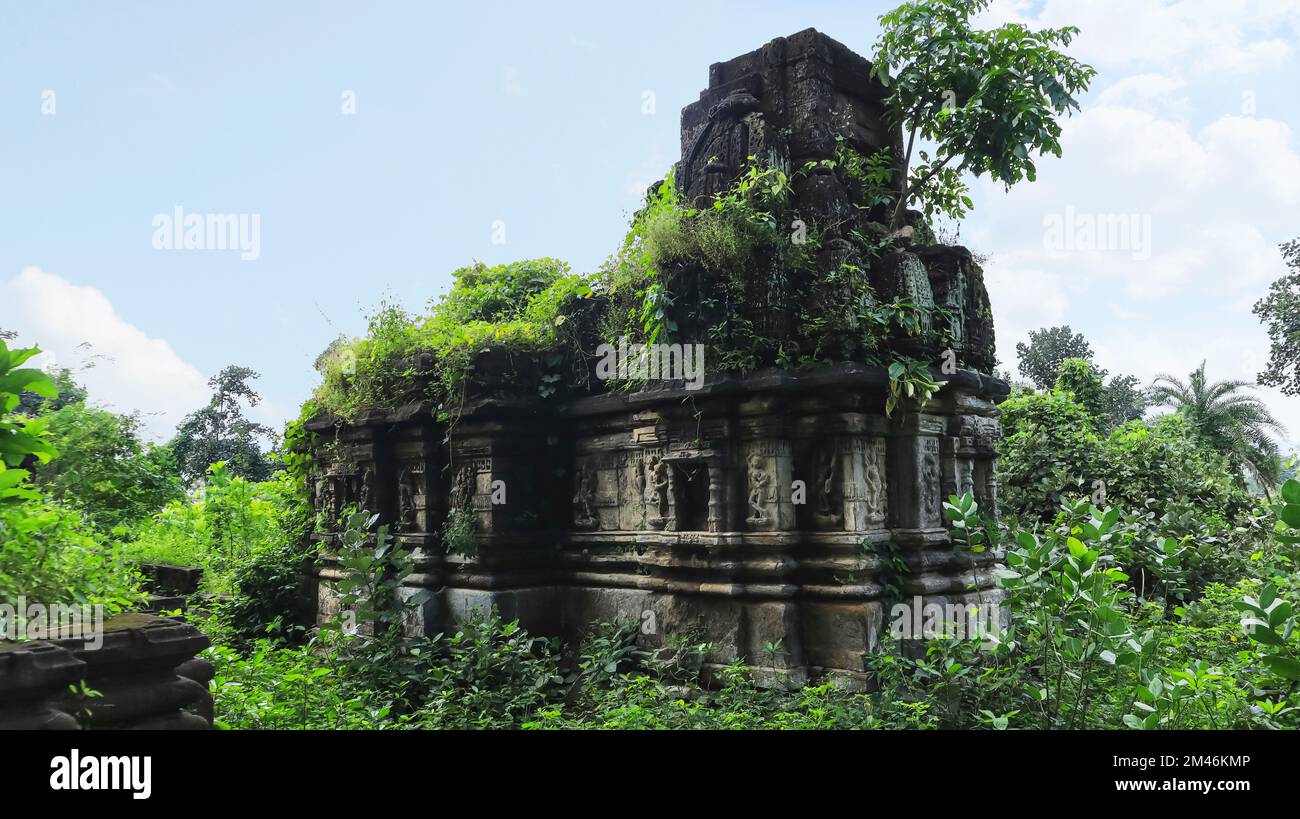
{"type": "Point", "coordinates": [679, 509]}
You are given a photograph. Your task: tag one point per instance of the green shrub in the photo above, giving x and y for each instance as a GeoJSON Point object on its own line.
{"type": "Point", "coordinates": [518, 306]}
{"type": "Point", "coordinates": [1048, 454]}
{"type": "Point", "coordinates": [104, 470]}
{"type": "Point", "coordinates": [47, 553]}
{"type": "Point", "coordinates": [273, 687]}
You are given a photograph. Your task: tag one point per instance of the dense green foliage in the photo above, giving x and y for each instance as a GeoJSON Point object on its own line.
{"type": "Point", "coordinates": [104, 469]}
{"type": "Point", "coordinates": [518, 306]}
{"type": "Point", "coordinates": [1280, 313]}
{"type": "Point", "coordinates": [219, 431]}
{"type": "Point", "coordinates": [1087, 649]}
{"type": "Point", "coordinates": [47, 552]}
{"type": "Point", "coordinates": [1055, 452]}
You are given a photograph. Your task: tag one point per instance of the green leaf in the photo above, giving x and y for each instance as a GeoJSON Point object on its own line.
{"type": "Point", "coordinates": [1283, 667]}
{"type": "Point", "coordinates": [1291, 491]}
{"type": "Point", "coordinates": [1290, 515]}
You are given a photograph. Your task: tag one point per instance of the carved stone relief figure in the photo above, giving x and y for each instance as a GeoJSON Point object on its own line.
{"type": "Point", "coordinates": [365, 494]}
{"type": "Point", "coordinates": [930, 511]}
{"type": "Point", "coordinates": [658, 491]}
{"type": "Point", "coordinates": [829, 509]}
{"type": "Point", "coordinates": [406, 517]}
{"type": "Point", "coordinates": [462, 490]}
{"type": "Point", "coordinates": [873, 476]}
{"type": "Point", "coordinates": [584, 500]}
{"type": "Point", "coordinates": [639, 486]}
{"type": "Point", "coordinates": [758, 481]}
{"type": "Point", "coordinates": [328, 500]}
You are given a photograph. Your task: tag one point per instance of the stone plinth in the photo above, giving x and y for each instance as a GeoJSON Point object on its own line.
{"type": "Point", "coordinates": [144, 669]}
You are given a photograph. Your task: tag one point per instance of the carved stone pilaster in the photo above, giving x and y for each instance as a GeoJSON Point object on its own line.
{"type": "Point", "coordinates": [914, 452]}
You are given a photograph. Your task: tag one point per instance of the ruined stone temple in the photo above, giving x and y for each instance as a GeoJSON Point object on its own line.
{"type": "Point", "coordinates": [761, 507]}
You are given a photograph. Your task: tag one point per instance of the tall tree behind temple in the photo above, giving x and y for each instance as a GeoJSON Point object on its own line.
{"type": "Point", "coordinates": [1040, 359]}
{"type": "Point", "coordinates": [1230, 422]}
{"type": "Point", "coordinates": [1280, 313]}
{"type": "Point", "coordinates": [220, 432]}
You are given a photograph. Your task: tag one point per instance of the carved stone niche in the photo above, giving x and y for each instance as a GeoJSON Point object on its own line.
{"type": "Point", "coordinates": [914, 489]}
{"type": "Point", "coordinates": [698, 490]}
{"type": "Point", "coordinates": [830, 490]}
{"type": "Point", "coordinates": [769, 473]}
{"type": "Point", "coordinates": [866, 483]}
{"type": "Point", "coordinates": [980, 435]}
{"type": "Point", "coordinates": [585, 514]}
{"type": "Point", "coordinates": [660, 491]}
{"type": "Point", "coordinates": [632, 505]}
{"type": "Point", "coordinates": [958, 468]}
{"type": "Point", "coordinates": [417, 462]}
{"type": "Point", "coordinates": [474, 482]}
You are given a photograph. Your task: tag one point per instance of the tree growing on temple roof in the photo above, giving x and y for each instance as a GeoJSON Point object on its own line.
{"type": "Point", "coordinates": [987, 100]}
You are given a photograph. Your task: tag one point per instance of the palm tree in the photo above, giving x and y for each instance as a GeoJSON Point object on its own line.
{"type": "Point", "coordinates": [1227, 420]}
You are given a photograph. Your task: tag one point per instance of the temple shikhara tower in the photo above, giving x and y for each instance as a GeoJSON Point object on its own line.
{"type": "Point", "coordinates": [765, 506]}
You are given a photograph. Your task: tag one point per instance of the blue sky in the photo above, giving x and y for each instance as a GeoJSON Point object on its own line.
{"type": "Point", "coordinates": [535, 115]}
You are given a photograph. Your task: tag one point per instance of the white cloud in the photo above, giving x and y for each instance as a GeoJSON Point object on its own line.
{"type": "Point", "coordinates": [132, 371]}
{"type": "Point", "coordinates": [512, 81]}
{"type": "Point", "coordinates": [1220, 193]}
{"type": "Point", "coordinates": [1152, 93]}
{"type": "Point", "coordinates": [1193, 36]}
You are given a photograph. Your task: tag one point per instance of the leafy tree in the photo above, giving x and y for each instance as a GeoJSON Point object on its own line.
{"type": "Point", "coordinates": [104, 470]}
{"type": "Point", "coordinates": [1228, 421]}
{"type": "Point", "coordinates": [1111, 403]}
{"type": "Point", "coordinates": [1083, 382]}
{"type": "Point", "coordinates": [1280, 312]}
{"type": "Point", "coordinates": [1048, 454]}
{"type": "Point", "coordinates": [20, 441]}
{"type": "Point", "coordinates": [1124, 400]}
{"type": "Point", "coordinates": [68, 391]}
{"type": "Point", "coordinates": [1163, 460]}
{"type": "Point", "coordinates": [1040, 359]}
{"type": "Point", "coordinates": [986, 99]}
{"type": "Point", "coordinates": [220, 432]}
{"type": "Point", "coordinates": [45, 551]}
